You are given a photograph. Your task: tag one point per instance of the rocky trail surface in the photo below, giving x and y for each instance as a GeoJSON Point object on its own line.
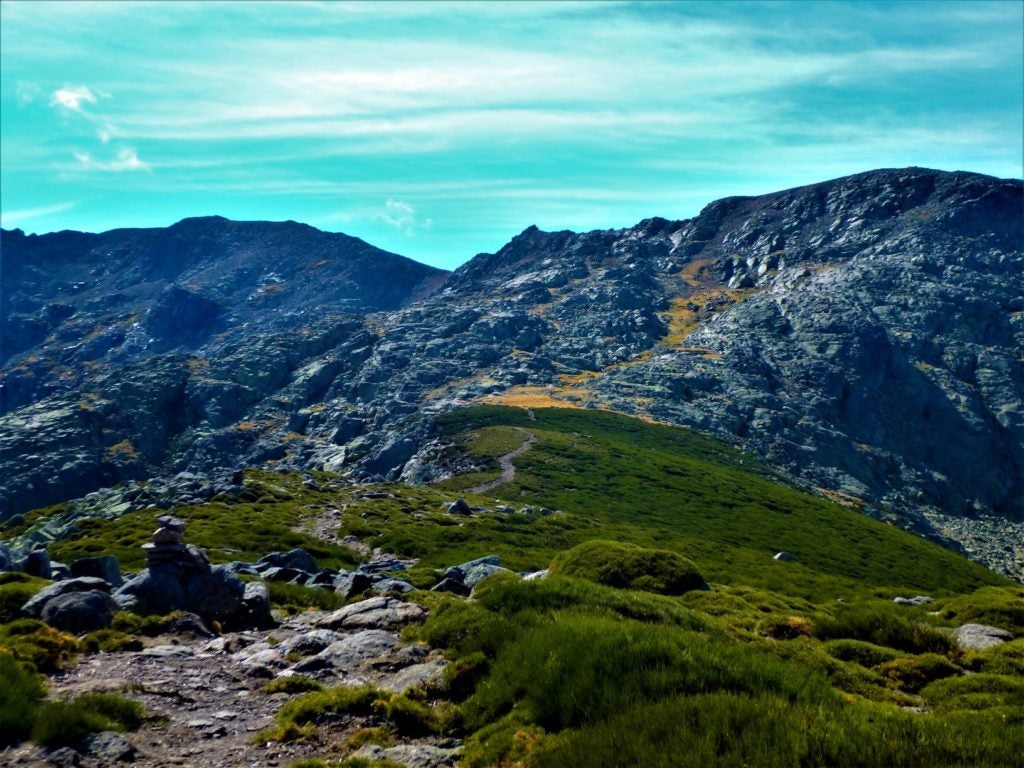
{"type": "Point", "coordinates": [206, 700]}
{"type": "Point", "coordinates": [508, 469]}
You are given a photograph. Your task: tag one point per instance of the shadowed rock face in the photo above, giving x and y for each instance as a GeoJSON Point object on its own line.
{"type": "Point", "coordinates": [863, 334]}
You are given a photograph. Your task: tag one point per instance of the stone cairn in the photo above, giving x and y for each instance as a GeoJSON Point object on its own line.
{"type": "Point", "coordinates": [168, 548]}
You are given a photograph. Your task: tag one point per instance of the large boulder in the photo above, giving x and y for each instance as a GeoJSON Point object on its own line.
{"type": "Point", "coordinates": [36, 604]}
{"type": "Point", "coordinates": [105, 567]}
{"type": "Point", "coordinates": [80, 612]}
{"type": "Point", "coordinates": [978, 637]}
{"type": "Point", "coordinates": [37, 563]}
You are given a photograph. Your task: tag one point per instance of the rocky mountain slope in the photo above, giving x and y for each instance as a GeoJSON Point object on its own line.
{"type": "Point", "coordinates": [864, 335]}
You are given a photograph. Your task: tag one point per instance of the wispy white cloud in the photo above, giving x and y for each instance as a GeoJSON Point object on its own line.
{"type": "Point", "coordinates": [13, 218]}
{"type": "Point", "coordinates": [402, 216]}
{"type": "Point", "coordinates": [125, 160]}
{"type": "Point", "coordinates": [72, 97]}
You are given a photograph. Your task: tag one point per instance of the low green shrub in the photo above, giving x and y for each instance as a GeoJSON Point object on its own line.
{"type": "Point", "coordinates": [510, 595]}
{"type": "Point", "coordinates": [461, 676]}
{"type": "Point", "coordinates": [582, 668]}
{"type": "Point", "coordinates": [1001, 607]}
{"type": "Point", "coordinates": [20, 692]}
{"type": "Point", "coordinates": [133, 624]}
{"type": "Point", "coordinates": [722, 730]}
{"type": "Point", "coordinates": [843, 675]}
{"type": "Point", "coordinates": [629, 566]}
{"type": "Point", "coordinates": [382, 736]}
{"type": "Point", "coordinates": [975, 692]}
{"type": "Point", "coordinates": [110, 641]}
{"type": "Point", "coordinates": [914, 673]}
{"type": "Point", "coordinates": [38, 644]}
{"type": "Point", "coordinates": [882, 625]}
{"type": "Point", "coordinates": [409, 717]}
{"type": "Point", "coordinates": [1002, 659]}
{"type": "Point", "coordinates": [66, 723]}
{"type": "Point", "coordinates": [298, 718]}
{"type": "Point", "coordinates": [293, 684]}
{"type": "Point", "coordinates": [860, 652]}
{"type": "Point", "coordinates": [15, 590]}
{"type": "Point", "coordinates": [508, 741]}
{"type": "Point", "coordinates": [785, 627]}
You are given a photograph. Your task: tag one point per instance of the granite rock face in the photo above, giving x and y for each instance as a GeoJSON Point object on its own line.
{"type": "Point", "coordinates": [863, 335]}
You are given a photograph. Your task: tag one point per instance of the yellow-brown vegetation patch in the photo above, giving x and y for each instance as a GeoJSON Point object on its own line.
{"type": "Point", "coordinates": [123, 450]}
{"type": "Point", "coordinates": [536, 397]}
{"type": "Point", "coordinates": [694, 274]}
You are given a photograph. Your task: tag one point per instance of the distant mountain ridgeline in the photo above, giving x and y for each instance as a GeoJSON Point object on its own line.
{"type": "Point", "coordinates": [864, 335]}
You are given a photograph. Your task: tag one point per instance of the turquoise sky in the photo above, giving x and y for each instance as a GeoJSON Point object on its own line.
{"type": "Point", "coordinates": [439, 130]}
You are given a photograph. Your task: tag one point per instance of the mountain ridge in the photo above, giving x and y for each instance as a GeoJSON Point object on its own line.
{"type": "Point", "coordinates": [819, 327]}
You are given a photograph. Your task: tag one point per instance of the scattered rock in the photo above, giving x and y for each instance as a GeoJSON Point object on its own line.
{"type": "Point", "coordinates": [169, 651]}
{"type": "Point", "coordinates": [298, 559]}
{"type": "Point", "coordinates": [308, 643]}
{"type": "Point", "coordinates": [917, 600]}
{"type": "Point", "coordinates": [350, 584]}
{"type": "Point", "coordinates": [179, 577]}
{"type": "Point", "coordinates": [387, 586]}
{"type": "Point", "coordinates": [6, 559]}
{"type": "Point", "coordinates": [472, 573]}
{"type": "Point", "coordinates": [411, 755]}
{"type": "Point", "coordinates": [350, 655]}
{"type": "Point", "coordinates": [65, 757]}
{"type": "Point", "coordinates": [459, 507]}
{"type": "Point", "coordinates": [256, 602]}
{"type": "Point", "coordinates": [455, 586]}
{"type": "Point", "coordinates": [374, 613]}
{"type": "Point", "coordinates": [110, 746]}
{"type": "Point", "coordinates": [978, 637]}
{"type": "Point", "coordinates": [414, 676]}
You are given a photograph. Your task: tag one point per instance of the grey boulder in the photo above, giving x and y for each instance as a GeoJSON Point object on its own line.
{"type": "Point", "coordinates": [34, 607]}
{"type": "Point", "coordinates": [374, 613]}
{"type": "Point", "coordinates": [978, 637]}
{"type": "Point", "coordinates": [80, 612]}
{"type": "Point", "coordinates": [105, 567]}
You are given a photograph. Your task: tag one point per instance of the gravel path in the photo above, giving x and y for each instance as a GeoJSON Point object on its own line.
{"type": "Point", "coordinates": [508, 469]}
{"type": "Point", "coordinates": [207, 705]}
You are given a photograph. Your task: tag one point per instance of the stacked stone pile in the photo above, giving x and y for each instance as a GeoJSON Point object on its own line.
{"type": "Point", "coordinates": [178, 576]}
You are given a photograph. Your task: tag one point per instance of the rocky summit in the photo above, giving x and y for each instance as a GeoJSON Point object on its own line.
{"type": "Point", "coordinates": [863, 336]}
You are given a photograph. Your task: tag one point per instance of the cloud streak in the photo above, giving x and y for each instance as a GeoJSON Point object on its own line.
{"type": "Point", "coordinates": [13, 218]}
{"type": "Point", "coordinates": [125, 160]}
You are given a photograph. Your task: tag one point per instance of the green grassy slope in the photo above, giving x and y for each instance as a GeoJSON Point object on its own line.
{"type": "Point", "coordinates": [619, 657]}
{"type": "Point", "coordinates": [624, 479]}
